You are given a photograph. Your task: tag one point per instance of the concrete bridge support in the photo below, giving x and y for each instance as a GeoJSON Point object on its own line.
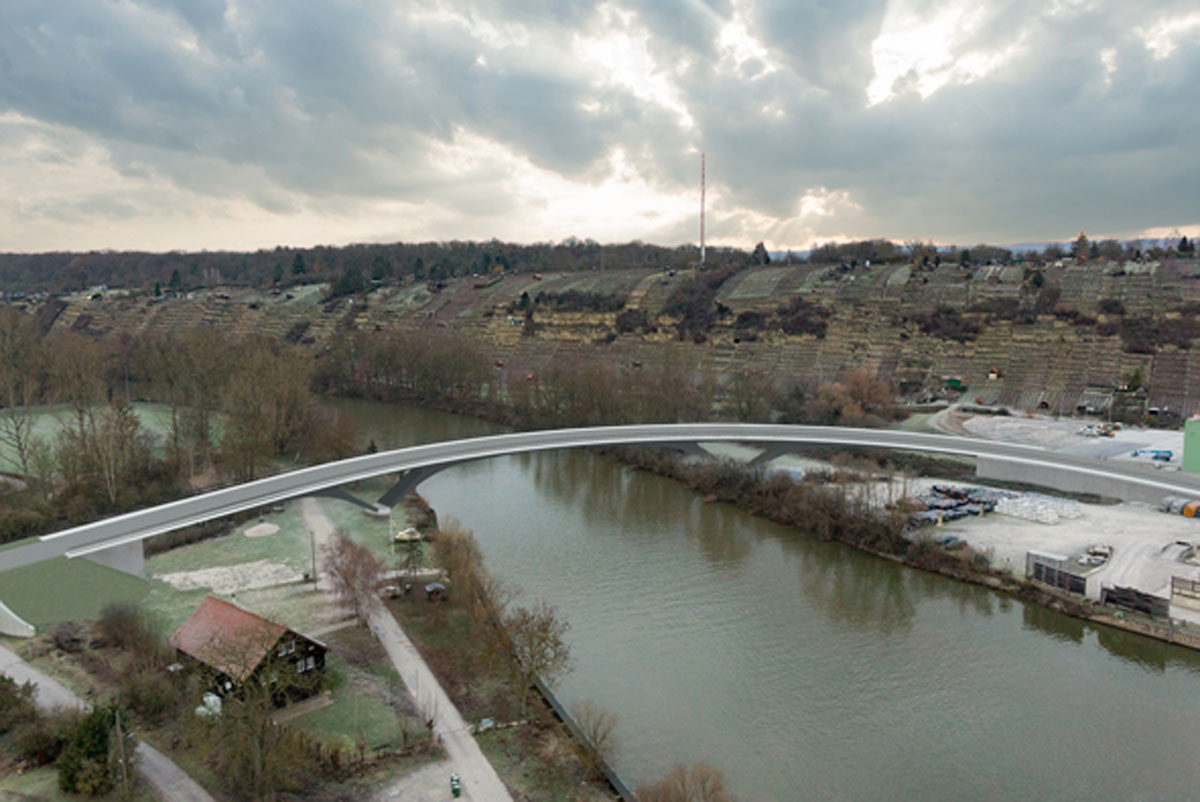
{"type": "Point", "coordinates": [408, 483]}
{"type": "Point", "coordinates": [128, 558]}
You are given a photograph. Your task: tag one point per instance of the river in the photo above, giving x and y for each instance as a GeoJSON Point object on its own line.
{"type": "Point", "coordinates": [802, 669]}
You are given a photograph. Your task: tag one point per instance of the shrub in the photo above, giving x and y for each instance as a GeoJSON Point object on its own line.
{"type": "Point", "coordinates": [800, 317]}
{"type": "Point", "coordinates": [83, 767]}
{"type": "Point", "coordinates": [1110, 306]}
{"type": "Point", "coordinates": [42, 740]}
{"type": "Point", "coordinates": [149, 694]}
{"type": "Point", "coordinates": [123, 625]}
{"type": "Point", "coordinates": [631, 320]}
{"type": "Point", "coordinates": [16, 703]}
{"type": "Point", "coordinates": [750, 320]}
{"type": "Point", "coordinates": [67, 637]}
{"type": "Point", "coordinates": [946, 323]}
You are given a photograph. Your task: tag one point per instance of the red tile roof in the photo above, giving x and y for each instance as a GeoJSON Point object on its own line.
{"type": "Point", "coordinates": [222, 635]}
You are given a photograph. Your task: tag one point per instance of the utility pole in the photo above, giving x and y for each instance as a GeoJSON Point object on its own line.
{"type": "Point", "coordinates": [312, 541]}
{"type": "Point", "coordinates": [702, 189]}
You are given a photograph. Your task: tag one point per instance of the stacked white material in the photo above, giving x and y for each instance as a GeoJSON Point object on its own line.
{"type": "Point", "coordinates": [1040, 508]}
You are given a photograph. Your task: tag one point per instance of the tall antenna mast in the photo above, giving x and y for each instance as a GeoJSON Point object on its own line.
{"type": "Point", "coordinates": [701, 208]}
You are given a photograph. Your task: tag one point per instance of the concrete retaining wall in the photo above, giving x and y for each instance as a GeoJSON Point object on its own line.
{"type": "Point", "coordinates": [12, 624]}
{"type": "Point", "coordinates": [1067, 481]}
{"type": "Point", "coordinates": [1185, 593]}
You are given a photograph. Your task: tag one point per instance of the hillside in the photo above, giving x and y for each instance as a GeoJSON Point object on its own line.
{"type": "Point", "coordinates": [1055, 337]}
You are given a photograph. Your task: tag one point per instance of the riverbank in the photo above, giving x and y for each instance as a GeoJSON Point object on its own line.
{"type": "Point", "coordinates": [466, 653]}
{"type": "Point", "coordinates": [881, 534]}
{"type": "Point", "coordinates": [722, 637]}
{"type": "Point", "coordinates": [835, 515]}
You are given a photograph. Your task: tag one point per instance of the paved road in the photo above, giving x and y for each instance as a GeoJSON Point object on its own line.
{"type": "Point", "coordinates": [170, 780]}
{"type": "Point", "coordinates": [216, 504]}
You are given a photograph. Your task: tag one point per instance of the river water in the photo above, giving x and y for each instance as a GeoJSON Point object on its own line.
{"type": "Point", "coordinates": [802, 669]}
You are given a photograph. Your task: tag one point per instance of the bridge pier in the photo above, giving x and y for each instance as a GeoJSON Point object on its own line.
{"type": "Point", "coordinates": [128, 558]}
{"type": "Point", "coordinates": [691, 449]}
{"type": "Point", "coordinates": [408, 483]}
{"type": "Point", "coordinates": [772, 452]}
{"type": "Point", "coordinates": [342, 494]}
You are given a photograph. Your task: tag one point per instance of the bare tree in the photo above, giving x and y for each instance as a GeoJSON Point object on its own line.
{"type": "Point", "coordinates": [121, 447]}
{"type": "Point", "coordinates": [20, 383]}
{"type": "Point", "coordinates": [265, 402]}
{"type": "Point", "coordinates": [353, 570]}
{"type": "Point", "coordinates": [251, 752]}
{"type": "Point", "coordinates": [597, 728]}
{"type": "Point", "coordinates": [702, 783]}
{"type": "Point", "coordinates": [535, 638]}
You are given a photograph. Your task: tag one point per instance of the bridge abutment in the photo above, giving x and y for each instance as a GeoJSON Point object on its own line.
{"type": "Point", "coordinates": [128, 558]}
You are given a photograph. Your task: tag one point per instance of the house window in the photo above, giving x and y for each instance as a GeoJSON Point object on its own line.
{"type": "Point", "coordinates": [306, 664]}
{"type": "Point", "coordinates": [286, 648]}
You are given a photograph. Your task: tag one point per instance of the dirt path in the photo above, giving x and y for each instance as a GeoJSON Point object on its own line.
{"type": "Point", "coordinates": [169, 780]}
{"type": "Point", "coordinates": [951, 420]}
{"type": "Point", "coordinates": [322, 530]}
{"type": "Point", "coordinates": [427, 784]}
{"type": "Point", "coordinates": [479, 780]}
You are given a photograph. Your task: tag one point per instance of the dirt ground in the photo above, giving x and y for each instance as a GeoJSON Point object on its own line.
{"type": "Point", "coordinates": [428, 784]}
{"type": "Point", "coordinates": [1143, 539]}
{"type": "Point", "coordinates": [1062, 434]}
{"type": "Point", "coordinates": [233, 578]}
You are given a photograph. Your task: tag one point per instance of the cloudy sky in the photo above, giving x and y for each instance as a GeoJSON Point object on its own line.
{"type": "Point", "coordinates": [164, 124]}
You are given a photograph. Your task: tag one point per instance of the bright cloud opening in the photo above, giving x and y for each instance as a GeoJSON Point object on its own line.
{"type": "Point", "coordinates": [1164, 36]}
{"type": "Point", "coordinates": [918, 51]}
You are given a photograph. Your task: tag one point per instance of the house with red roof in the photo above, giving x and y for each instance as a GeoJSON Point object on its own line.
{"type": "Point", "coordinates": [236, 644]}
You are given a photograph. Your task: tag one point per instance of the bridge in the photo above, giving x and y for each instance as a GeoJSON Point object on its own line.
{"type": "Point", "coordinates": [116, 541]}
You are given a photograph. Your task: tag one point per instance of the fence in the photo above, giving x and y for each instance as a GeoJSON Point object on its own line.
{"type": "Point", "coordinates": [12, 624]}
{"type": "Point", "coordinates": [610, 774]}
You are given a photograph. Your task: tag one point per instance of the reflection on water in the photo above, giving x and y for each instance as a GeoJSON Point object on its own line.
{"type": "Point", "coordinates": [803, 669]}
{"type": "Point", "coordinates": [1055, 625]}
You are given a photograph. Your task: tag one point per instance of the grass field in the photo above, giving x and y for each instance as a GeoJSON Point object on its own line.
{"type": "Point", "coordinates": [41, 785]}
{"type": "Point", "coordinates": [156, 418]}
{"type": "Point", "coordinates": [62, 589]}
{"type": "Point", "coordinates": [369, 531]}
{"type": "Point", "coordinates": [361, 709]}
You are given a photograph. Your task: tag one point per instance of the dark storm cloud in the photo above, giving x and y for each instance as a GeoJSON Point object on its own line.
{"type": "Point", "coordinates": [324, 102]}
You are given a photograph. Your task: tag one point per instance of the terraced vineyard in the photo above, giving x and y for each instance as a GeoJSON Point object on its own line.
{"type": "Point", "coordinates": [1025, 357]}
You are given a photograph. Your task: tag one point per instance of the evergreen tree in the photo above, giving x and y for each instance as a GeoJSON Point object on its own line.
{"type": "Point", "coordinates": [760, 255]}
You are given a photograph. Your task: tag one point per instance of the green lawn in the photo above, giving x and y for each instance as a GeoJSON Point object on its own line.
{"type": "Point", "coordinates": [363, 686]}
{"type": "Point", "coordinates": [290, 546]}
{"type": "Point", "coordinates": [372, 532]}
{"type": "Point", "coordinates": [156, 418]}
{"type": "Point", "coordinates": [63, 589]}
{"type": "Point", "coordinates": [41, 784]}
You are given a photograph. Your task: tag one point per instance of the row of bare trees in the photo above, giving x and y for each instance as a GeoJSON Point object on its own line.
{"type": "Point", "coordinates": [451, 371]}
{"type": "Point", "coordinates": [69, 427]}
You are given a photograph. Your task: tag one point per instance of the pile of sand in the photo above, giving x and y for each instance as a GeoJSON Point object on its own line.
{"type": "Point", "coordinates": [232, 578]}
{"type": "Point", "coordinates": [261, 530]}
